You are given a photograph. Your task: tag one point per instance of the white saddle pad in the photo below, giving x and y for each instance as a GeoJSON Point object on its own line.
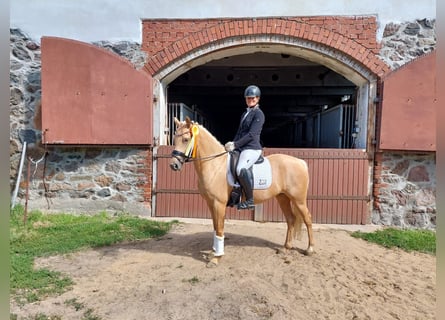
{"type": "Point", "coordinates": [262, 175]}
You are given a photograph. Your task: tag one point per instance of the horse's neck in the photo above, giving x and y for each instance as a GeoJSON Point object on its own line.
{"type": "Point", "coordinates": [207, 147]}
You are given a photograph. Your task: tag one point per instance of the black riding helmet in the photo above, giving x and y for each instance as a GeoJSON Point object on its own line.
{"type": "Point", "coordinates": [252, 91]}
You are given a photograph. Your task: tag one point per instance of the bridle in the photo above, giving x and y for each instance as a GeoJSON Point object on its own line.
{"type": "Point", "coordinates": [190, 151]}
{"type": "Point", "coordinates": [181, 156]}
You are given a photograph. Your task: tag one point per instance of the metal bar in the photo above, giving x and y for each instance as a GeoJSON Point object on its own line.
{"type": "Point", "coordinates": [342, 197]}
{"type": "Point", "coordinates": [180, 191]}
{"type": "Point", "coordinates": [309, 197]}
{"type": "Point", "coordinates": [28, 175]}
{"type": "Point", "coordinates": [19, 175]}
{"type": "Point", "coordinates": [315, 156]}
{"type": "Point", "coordinates": [162, 156]}
{"type": "Point", "coordinates": [323, 154]}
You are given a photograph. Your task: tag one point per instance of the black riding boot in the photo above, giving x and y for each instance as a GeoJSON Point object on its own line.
{"type": "Point", "coordinates": [246, 181]}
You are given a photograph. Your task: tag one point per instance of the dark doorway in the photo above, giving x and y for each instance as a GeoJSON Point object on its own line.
{"type": "Point", "coordinates": [306, 105]}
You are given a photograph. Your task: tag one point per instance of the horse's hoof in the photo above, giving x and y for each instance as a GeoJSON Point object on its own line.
{"type": "Point", "coordinates": [206, 255]}
{"type": "Point", "coordinates": [310, 251]}
{"type": "Point", "coordinates": [213, 262]}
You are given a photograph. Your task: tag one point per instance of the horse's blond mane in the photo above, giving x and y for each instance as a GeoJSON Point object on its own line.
{"type": "Point", "coordinates": [208, 132]}
{"type": "Point", "coordinates": [184, 123]}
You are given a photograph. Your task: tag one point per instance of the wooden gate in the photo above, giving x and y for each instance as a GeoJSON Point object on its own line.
{"type": "Point", "coordinates": [338, 188]}
{"type": "Point", "coordinates": [338, 191]}
{"type": "Point", "coordinates": [175, 194]}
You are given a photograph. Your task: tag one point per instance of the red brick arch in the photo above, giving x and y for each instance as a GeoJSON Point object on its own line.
{"type": "Point", "coordinates": [354, 37]}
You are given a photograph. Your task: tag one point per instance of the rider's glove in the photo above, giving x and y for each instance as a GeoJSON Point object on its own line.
{"type": "Point", "coordinates": [229, 146]}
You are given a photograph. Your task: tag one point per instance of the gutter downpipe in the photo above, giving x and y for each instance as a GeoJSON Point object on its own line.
{"type": "Point", "coordinates": [16, 189]}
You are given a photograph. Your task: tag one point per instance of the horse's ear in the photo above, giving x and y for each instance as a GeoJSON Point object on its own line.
{"type": "Point", "coordinates": [188, 122]}
{"type": "Point", "coordinates": [177, 122]}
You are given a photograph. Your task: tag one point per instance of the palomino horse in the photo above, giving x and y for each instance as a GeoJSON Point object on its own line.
{"type": "Point", "coordinates": [289, 183]}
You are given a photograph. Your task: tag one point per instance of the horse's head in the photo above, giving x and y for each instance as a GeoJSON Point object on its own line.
{"type": "Point", "coordinates": [183, 142]}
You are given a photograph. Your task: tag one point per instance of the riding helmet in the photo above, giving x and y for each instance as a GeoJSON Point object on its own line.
{"type": "Point", "coordinates": [252, 91]}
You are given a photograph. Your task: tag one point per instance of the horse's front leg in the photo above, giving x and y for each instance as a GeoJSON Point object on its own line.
{"type": "Point", "coordinates": [218, 210]}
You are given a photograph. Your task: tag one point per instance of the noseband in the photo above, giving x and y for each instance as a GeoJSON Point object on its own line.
{"type": "Point", "coordinates": [180, 156]}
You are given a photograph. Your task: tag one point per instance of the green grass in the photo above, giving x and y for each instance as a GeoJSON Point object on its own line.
{"type": "Point", "coordinates": [52, 234]}
{"type": "Point", "coordinates": [192, 281]}
{"type": "Point", "coordinates": [408, 240]}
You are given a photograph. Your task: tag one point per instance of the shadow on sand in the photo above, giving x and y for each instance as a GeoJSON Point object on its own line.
{"type": "Point", "coordinates": [195, 245]}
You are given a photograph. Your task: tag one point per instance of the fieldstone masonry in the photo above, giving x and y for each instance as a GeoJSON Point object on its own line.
{"type": "Point", "coordinates": [71, 179]}
{"type": "Point", "coordinates": [91, 179]}
{"type": "Point", "coordinates": [406, 195]}
{"type": "Point", "coordinates": [404, 42]}
{"type": "Point", "coordinates": [118, 179]}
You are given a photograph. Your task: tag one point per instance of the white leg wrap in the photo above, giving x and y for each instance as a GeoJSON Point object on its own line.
{"type": "Point", "coordinates": [218, 245]}
{"type": "Point", "coordinates": [214, 241]}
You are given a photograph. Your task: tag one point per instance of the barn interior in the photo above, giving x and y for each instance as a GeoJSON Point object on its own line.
{"type": "Point", "coordinates": [306, 104]}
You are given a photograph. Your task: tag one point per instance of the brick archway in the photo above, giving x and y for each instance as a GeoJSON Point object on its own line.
{"type": "Point", "coordinates": [172, 43]}
{"type": "Point", "coordinates": [176, 46]}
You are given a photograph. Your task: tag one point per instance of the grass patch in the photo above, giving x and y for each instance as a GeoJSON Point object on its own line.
{"type": "Point", "coordinates": [192, 281]}
{"type": "Point", "coordinates": [87, 315]}
{"type": "Point", "coordinates": [75, 304]}
{"type": "Point", "coordinates": [406, 239]}
{"type": "Point", "coordinates": [52, 234]}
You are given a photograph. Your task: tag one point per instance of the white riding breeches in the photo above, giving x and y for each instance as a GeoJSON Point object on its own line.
{"type": "Point", "coordinates": [247, 158]}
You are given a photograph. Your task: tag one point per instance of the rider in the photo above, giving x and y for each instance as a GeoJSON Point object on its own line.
{"type": "Point", "coordinates": [247, 140]}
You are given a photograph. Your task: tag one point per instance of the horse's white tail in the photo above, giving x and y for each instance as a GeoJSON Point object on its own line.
{"type": "Point", "coordinates": [300, 209]}
{"type": "Point", "coordinates": [297, 224]}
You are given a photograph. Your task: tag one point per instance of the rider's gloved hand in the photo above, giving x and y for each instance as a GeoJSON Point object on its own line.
{"type": "Point", "coordinates": [229, 146]}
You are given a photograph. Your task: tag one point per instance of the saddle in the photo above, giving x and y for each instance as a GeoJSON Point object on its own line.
{"type": "Point", "coordinates": [234, 158]}
{"type": "Point", "coordinates": [235, 196]}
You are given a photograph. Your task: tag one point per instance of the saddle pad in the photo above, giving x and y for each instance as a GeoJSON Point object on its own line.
{"type": "Point", "coordinates": [262, 175]}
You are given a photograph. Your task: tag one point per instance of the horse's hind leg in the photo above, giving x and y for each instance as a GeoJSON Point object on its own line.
{"type": "Point", "coordinates": [302, 208]}
{"type": "Point", "coordinates": [286, 207]}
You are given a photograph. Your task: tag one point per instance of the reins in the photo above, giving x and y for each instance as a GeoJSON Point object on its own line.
{"type": "Point", "coordinates": [188, 159]}
{"type": "Point", "coordinates": [189, 154]}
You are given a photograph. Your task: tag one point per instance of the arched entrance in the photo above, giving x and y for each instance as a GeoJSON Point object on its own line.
{"type": "Point", "coordinates": [340, 192]}
{"type": "Point", "coordinates": [351, 73]}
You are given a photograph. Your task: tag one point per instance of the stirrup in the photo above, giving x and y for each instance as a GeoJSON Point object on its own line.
{"type": "Point", "coordinates": [235, 197]}
{"type": "Point", "coordinates": [248, 204]}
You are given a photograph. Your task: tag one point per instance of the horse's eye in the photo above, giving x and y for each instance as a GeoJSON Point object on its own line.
{"type": "Point", "coordinates": [185, 140]}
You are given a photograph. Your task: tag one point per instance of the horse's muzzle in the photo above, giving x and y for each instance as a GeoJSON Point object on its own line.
{"type": "Point", "coordinates": [177, 160]}
{"type": "Point", "coordinates": [175, 164]}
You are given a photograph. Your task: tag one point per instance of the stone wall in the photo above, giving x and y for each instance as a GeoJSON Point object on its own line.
{"type": "Point", "coordinates": [118, 179]}
{"type": "Point", "coordinates": [406, 41]}
{"type": "Point", "coordinates": [71, 179]}
{"type": "Point", "coordinates": [406, 193]}
{"type": "Point", "coordinates": [405, 183]}
{"type": "Point", "coordinates": [90, 179]}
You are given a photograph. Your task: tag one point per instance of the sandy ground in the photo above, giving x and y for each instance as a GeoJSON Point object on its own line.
{"type": "Point", "coordinates": [167, 278]}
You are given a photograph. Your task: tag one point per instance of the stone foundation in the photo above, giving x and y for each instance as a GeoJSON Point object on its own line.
{"type": "Point", "coordinates": [405, 190]}
{"type": "Point", "coordinates": [80, 179]}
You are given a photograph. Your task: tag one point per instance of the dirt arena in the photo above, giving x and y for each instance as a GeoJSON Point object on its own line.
{"type": "Point", "coordinates": [167, 278]}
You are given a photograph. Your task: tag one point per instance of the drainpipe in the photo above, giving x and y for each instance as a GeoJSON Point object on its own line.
{"type": "Point", "coordinates": [375, 94]}
{"type": "Point", "coordinates": [16, 190]}
{"type": "Point", "coordinates": [28, 173]}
